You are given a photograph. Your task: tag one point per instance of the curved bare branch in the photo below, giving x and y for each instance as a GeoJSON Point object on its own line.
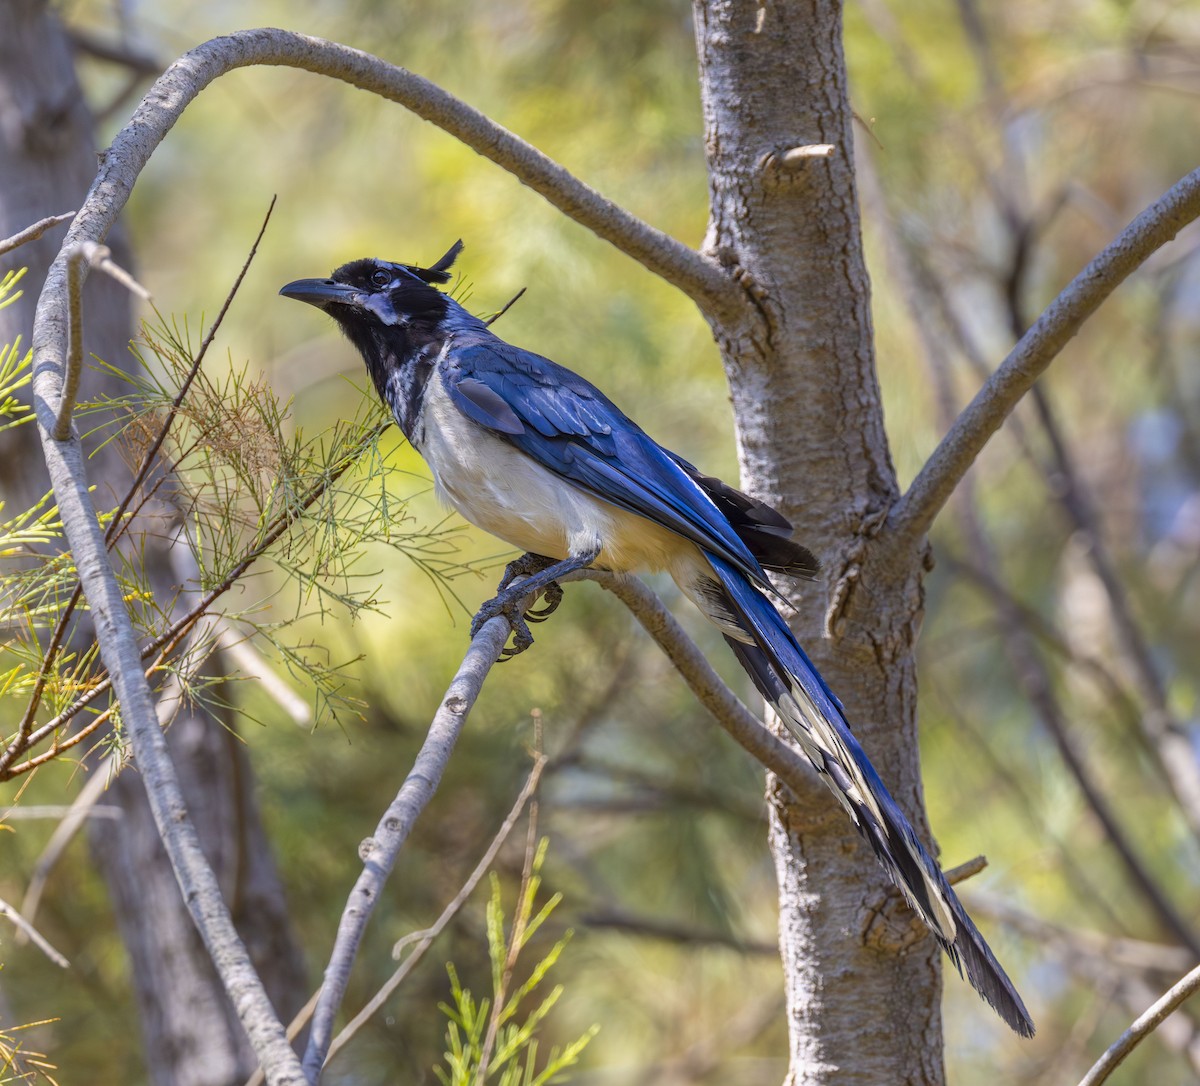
{"type": "Point", "coordinates": [1146, 1024]}
{"type": "Point", "coordinates": [1028, 360]}
{"type": "Point", "coordinates": [32, 233]}
{"type": "Point", "coordinates": [697, 276]}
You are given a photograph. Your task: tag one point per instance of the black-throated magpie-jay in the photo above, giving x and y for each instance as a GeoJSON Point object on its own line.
{"type": "Point", "coordinates": [534, 454]}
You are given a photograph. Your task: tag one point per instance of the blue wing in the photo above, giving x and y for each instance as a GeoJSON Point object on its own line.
{"type": "Point", "coordinates": [570, 427]}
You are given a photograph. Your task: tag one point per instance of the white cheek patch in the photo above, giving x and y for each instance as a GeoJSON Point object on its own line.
{"type": "Point", "coordinates": [381, 306]}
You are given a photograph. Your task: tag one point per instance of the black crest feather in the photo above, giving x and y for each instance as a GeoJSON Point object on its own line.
{"type": "Point", "coordinates": [440, 272]}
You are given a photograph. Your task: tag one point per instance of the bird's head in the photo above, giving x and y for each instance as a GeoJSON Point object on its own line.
{"type": "Point", "coordinates": [396, 317]}
{"type": "Point", "coordinates": [368, 296]}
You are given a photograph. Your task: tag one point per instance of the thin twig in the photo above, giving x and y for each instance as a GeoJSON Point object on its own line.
{"type": "Point", "coordinates": [139, 62]}
{"type": "Point", "coordinates": [250, 663]}
{"type": "Point", "coordinates": [1035, 682]}
{"type": "Point", "coordinates": [506, 307]}
{"type": "Point", "coordinates": [1141, 1029]}
{"type": "Point", "coordinates": [966, 438]}
{"type": "Point", "coordinates": [1116, 953]}
{"type": "Point", "coordinates": [83, 807]}
{"type": "Point", "coordinates": [1043, 629]}
{"type": "Point", "coordinates": [965, 871]}
{"type": "Point", "coordinates": [151, 454]}
{"type": "Point", "coordinates": [669, 932]}
{"type": "Point", "coordinates": [39, 811]}
{"type": "Point", "coordinates": [33, 934]}
{"type": "Point", "coordinates": [32, 233]}
{"type": "Point", "coordinates": [423, 939]}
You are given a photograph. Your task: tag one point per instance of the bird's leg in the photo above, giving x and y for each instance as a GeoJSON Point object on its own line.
{"type": "Point", "coordinates": [541, 575]}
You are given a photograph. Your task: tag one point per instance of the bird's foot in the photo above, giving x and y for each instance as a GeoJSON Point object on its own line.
{"type": "Point", "coordinates": [525, 566]}
{"type": "Point", "coordinates": [506, 605]}
{"type": "Point", "coordinates": [540, 573]}
{"type": "Point", "coordinates": [507, 602]}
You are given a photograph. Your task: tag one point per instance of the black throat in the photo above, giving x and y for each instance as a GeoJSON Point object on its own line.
{"type": "Point", "coordinates": [400, 360]}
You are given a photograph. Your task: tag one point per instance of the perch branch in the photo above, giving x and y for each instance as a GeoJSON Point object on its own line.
{"type": "Point", "coordinates": [724, 705]}
{"type": "Point", "coordinates": [379, 851]}
{"type": "Point", "coordinates": [1028, 360]}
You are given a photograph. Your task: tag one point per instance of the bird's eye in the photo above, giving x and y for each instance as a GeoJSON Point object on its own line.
{"type": "Point", "coordinates": [381, 278]}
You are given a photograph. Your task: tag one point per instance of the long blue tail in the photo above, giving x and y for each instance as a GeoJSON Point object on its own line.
{"type": "Point", "coordinates": [787, 679]}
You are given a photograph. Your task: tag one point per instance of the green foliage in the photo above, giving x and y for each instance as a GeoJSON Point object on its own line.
{"type": "Point", "coordinates": [488, 1041]}
{"type": "Point", "coordinates": [219, 466]}
{"type": "Point", "coordinates": [19, 1064]}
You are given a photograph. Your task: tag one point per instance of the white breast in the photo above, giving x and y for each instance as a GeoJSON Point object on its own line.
{"type": "Point", "coordinates": [504, 492]}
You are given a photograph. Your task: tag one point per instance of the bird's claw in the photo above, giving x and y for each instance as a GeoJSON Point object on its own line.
{"type": "Point", "coordinates": [507, 605]}
{"type": "Point", "coordinates": [552, 596]}
{"type": "Point", "coordinates": [508, 599]}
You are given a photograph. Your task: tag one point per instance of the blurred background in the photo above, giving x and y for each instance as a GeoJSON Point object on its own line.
{"type": "Point", "coordinates": [1000, 148]}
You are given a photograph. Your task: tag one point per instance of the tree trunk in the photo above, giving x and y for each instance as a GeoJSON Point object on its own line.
{"type": "Point", "coordinates": [863, 981]}
{"type": "Point", "coordinates": [191, 1034]}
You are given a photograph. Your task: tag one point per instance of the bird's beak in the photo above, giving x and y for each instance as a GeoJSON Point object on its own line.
{"type": "Point", "coordinates": [320, 292]}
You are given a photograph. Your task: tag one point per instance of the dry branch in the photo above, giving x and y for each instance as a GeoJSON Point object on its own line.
{"type": "Point", "coordinates": [96, 256]}
{"type": "Point", "coordinates": [1146, 1024]}
{"type": "Point", "coordinates": [1028, 360]}
{"type": "Point", "coordinates": [380, 851]}
{"type": "Point", "coordinates": [31, 933]}
{"type": "Point", "coordinates": [728, 711]}
{"type": "Point", "coordinates": [32, 233]}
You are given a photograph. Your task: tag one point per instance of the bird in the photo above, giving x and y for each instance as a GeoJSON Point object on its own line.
{"type": "Point", "coordinates": [535, 454]}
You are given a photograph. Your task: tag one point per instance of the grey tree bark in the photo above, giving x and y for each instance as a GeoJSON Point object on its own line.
{"type": "Point", "coordinates": [863, 980]}
{"type": "Point", "coordinates": [191, 1033]}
